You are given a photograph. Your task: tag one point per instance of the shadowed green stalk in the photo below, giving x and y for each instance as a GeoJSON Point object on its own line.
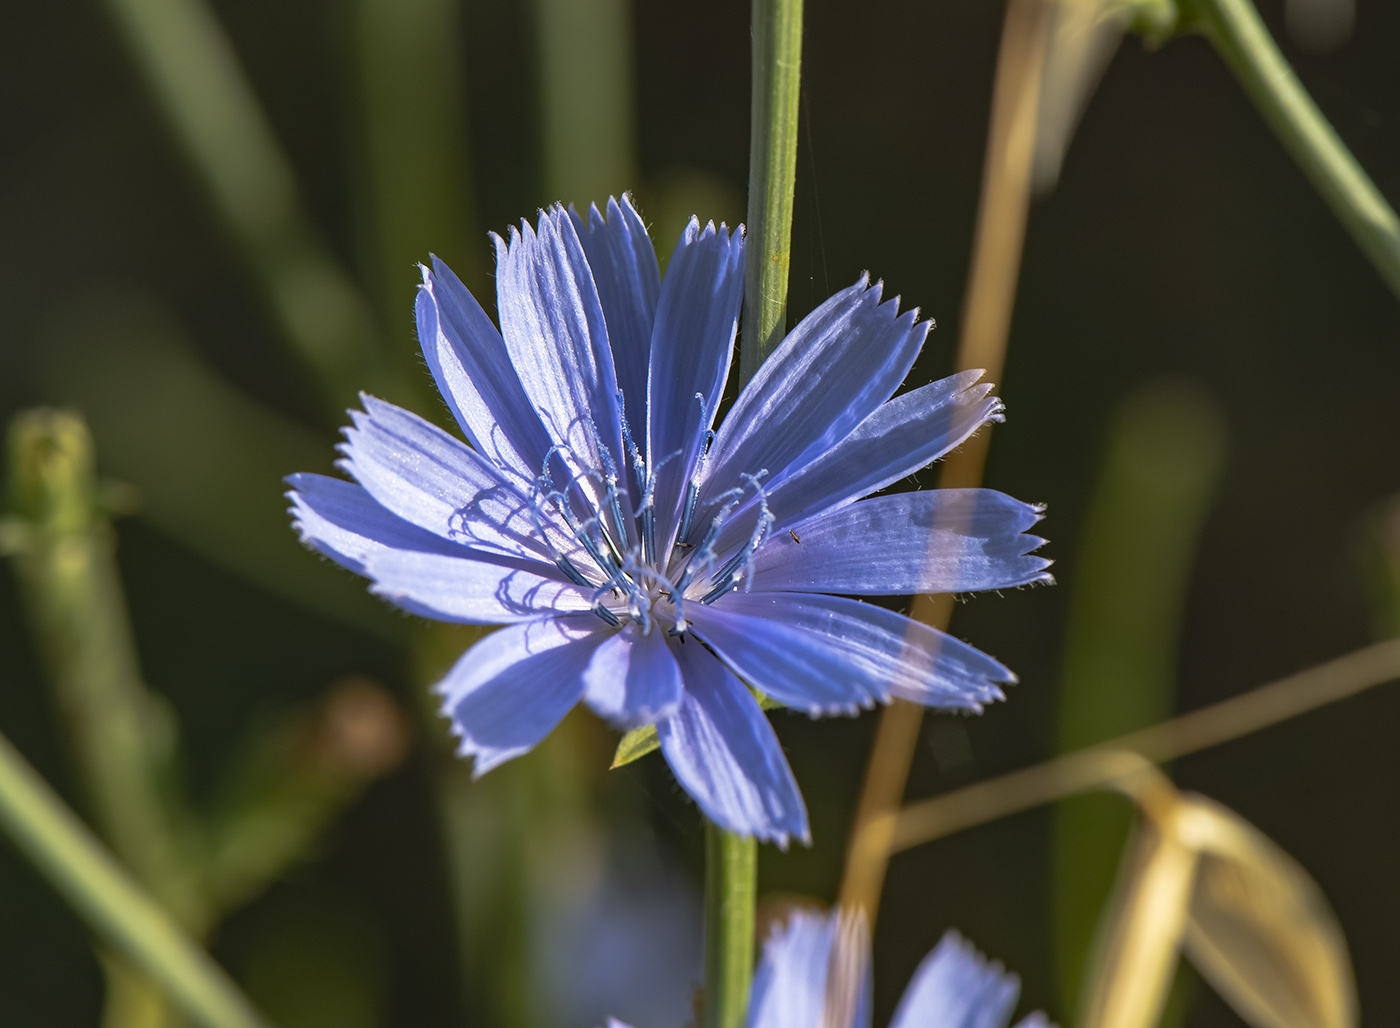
{"type": "Point", "coordinates": [294, 775]}
{"type": "Point", "coordinates": [777, 67]}
{"type": "Point", "coordinates": [211, 109]}
{"type": "Point", "coordinates": [588, 132]}
{"type": "Point", "coordinates": [731, 861]}
{"type": "Point", "coordinates": [1163, 463]}
{"type": "Point", "coordinates": [1238, 33]}
{"type": "Point", "coordinates": [208, 459]}
{"type": "Point", "coordinates": [731, 866]}
{"type": "Point", "coordinates": [411, 94]}
{"type": "Point", "coordinates": [112, 904]}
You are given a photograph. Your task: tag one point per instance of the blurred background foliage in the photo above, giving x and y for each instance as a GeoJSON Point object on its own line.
{"type": "Point", "coordinates": [209, 217]}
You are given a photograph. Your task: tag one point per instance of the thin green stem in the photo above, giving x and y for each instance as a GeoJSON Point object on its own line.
{"type": "Point", "coordinates": [731, 865]}
{"type": "Point", "coordinates": [110, 901]}
{"type": "Point", "coordinates": [731, 861]}
{"type": "Point", "coordinates": [777, 67]}
{"type": "Point", "coordinates": [1244, 43]}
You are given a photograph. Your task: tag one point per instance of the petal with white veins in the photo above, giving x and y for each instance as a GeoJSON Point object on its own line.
{"type": "Point", "coordinates": [343, 522]}
{"type": "Point", "coordinates": [485, 591]}
{"type": "Point", "coordinates": [831, 372]}
{"type": "Point", "coordinates": [554, 331]}
{"type": "Point", "coordinates": [888, 653]}
{"type": "Point", "coordinates": [957, 987]}
{"type": "Point", "coordinates": [508, 691]}
{"type": "Point", "coordinates": [469, 362]}
{"type": "Point", "coordinates": [723, 751]}
{"type": "Point", "coordinates": [633, 679]}
{"type": "Point", "coordinates": [628, 277]}
{"type": "Point", "coordinates": [940, 541]}
{"type": "Point", "coordinates": [901, 437]}
{"type": "Point", "coordinates": [422, 474]}
{"type": "Point", "coordinates": [691, 346]}
{"type": "Point", "coordinates": [789, 987]}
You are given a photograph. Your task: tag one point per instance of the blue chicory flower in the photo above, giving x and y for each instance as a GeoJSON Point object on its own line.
{"type": "Point", "coordinates": [643, 562]}
{"type": "Point", "coordinates": [815, 974]}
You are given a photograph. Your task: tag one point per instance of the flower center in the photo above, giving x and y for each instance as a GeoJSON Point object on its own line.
{"type": "Point", "coordinates": [612, 519]}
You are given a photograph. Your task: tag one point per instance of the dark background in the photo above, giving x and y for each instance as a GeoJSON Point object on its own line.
{"type": "Point", "coordinates": [1181, 240]}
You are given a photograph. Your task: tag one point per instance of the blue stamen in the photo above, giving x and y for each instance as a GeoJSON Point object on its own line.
{"type": "Point", "coordinates": [565, 565]}
{"type": "Point", "coordinates": [607, 615]}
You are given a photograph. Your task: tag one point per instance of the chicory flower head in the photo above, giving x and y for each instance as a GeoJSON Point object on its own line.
{"type": "Point", "coordinates": [643, 561]}
{"type": "Point", "coordinates": [815, 973]}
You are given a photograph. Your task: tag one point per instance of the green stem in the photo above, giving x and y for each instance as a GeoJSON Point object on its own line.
{"type": "Point", "coordinates": [110, 901]}
{"type": "Point", "coordinates": [731, 861]}
{"type": "Point", "coordinates": [69, 581]}
{"type": "Point", "coordinates": [212, 111]}
{"type": "Point", "coordinates": [777, 67]}
{"type": "Point", "coordinates": [1244, 43]}
{"type": "Point", "coordinates": [731, 864]}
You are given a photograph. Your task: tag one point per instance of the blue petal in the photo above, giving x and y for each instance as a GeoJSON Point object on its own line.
{"type": "Point", "coordinates": [343, 522]}
{"type": "Point", "coordinates": [629, 281]}
{"type": "Point", "coordinates": [508, 691]}
{"type": "Point", "coordinates": [633, 679]}
{"type": "Point", "coordinates": [831, 372]}
{"type": "Point", "coordinates": [422, 474]}
{"type": "Point", "coordinates": [691, 346]}
{"type": "Point", "coordinates": [957, 987]}
{"type": "Point", "coordinates": [940, 541]}
{"type": "Point", "coordinates": [831, 654]}
{"type": "Point", "coordinates": [789, 987]}
{"type": "Point", "coordinates": [794, 985]}
{"type": "Point", "coordinates": [473, 372]}
{"type": "Point", "coordinates": [554, 331]}
{"type": "Point", "coordinates": [484, 590]}
{"type": "Point", "coordinates": [722, 750]}
{"type": "Point", "coordinates": [901, 437]}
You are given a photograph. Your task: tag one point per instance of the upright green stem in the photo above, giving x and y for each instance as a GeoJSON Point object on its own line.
{"type": "Point", "coordinates": [777, 67]}
{"type": "Point", "coordinates": [731, 864]}
{"type": "Point", "coordinates": [70, 584]}
{"type": "Point", "coordinates": [110, 901]}
{"type": "Point", "coordinates": [731, 861]}
{"type": "Point", "coordinates": [1244, 43]}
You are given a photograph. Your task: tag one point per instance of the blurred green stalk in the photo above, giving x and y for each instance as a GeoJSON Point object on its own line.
{"type": "Point", "coordinates": [1239, 35]}
{"type": "Point", "coordinates": [114, 906]}
{"type": "Point", "coordinates": [1165, 454]}
{"type": "Point", "coordinates": [587, 107]}
{"type": "Point", "coordinates": [414, 117]}
{"type": "Point", "coordinates": [777, 70]}
{"type": "Point", "coordinates": [731, 891]}
{"type": "Point", "coordinates": [293, 776]}
{"type": "Point", "coordinates": [121, 735]}
{"type": "Point", "coordinates": [211, 108]}
{"type": "Point", "coordinates": [731, 861]}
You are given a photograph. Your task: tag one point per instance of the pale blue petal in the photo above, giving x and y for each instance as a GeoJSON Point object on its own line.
{"type": "Point", "coordinates": [633, 679]}
{"type": "Point", "coordinates": [422, 474]}
{"type": "Point", "coordinates": [901, 437]}
{"type": "Point", "coordinates": [722, 750]}
{"type": "Point", "coordinates": [957, 987]}
{"type": "Point", "coordinates": [691, 346]}
{"type": "Point", "coordinates": [485, 591]}
{"type": "Point", "coordinates": [468, 359]}
{"type": "Point", "coordinates": [831, 372]}
{"type": "Point", "coordinates": [832, 654]}
{"type": "Point", "coordinates": [789, 987]}
{"type": "Point", "coordinates": [629, 281]}
{"type": "Point", "coordinates": [508, 691]}
{"type": "Point", "coordinates": [939, 541]}
{"type": "Point", "coordinates": [343, 522]}
{"type": "Point", "coordinates": [557, 339]}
